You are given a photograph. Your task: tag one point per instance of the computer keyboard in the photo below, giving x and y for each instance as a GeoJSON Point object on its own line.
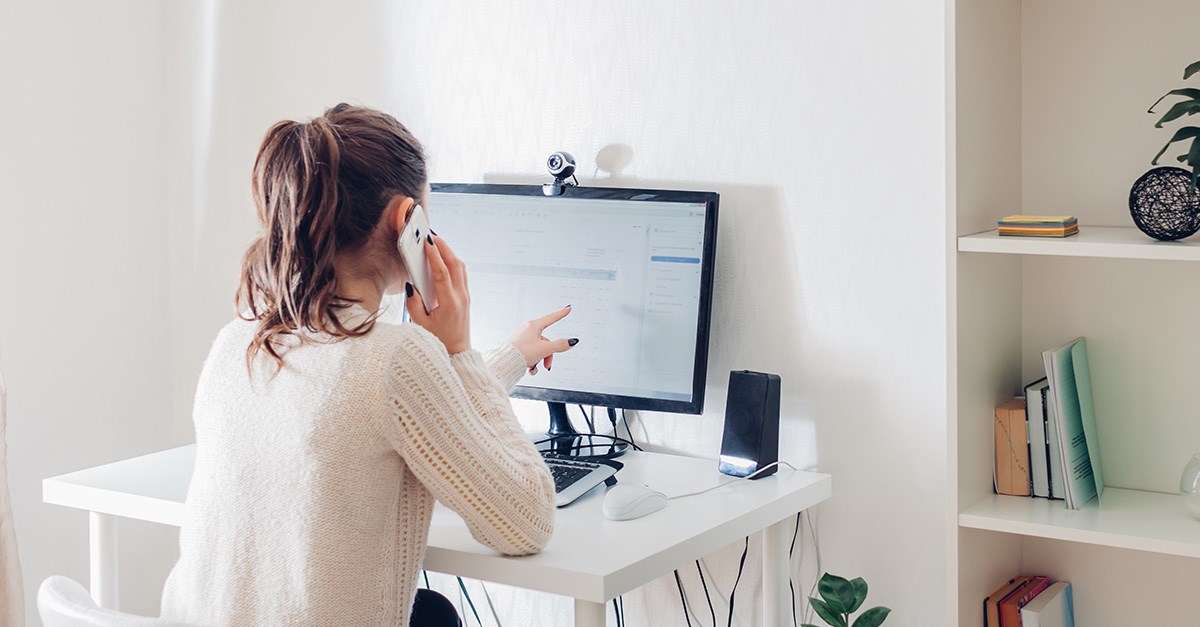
{"type": "Point", "coordinates": [575, 477]}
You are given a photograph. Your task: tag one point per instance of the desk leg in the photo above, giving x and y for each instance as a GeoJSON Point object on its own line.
{"type": "Point", "coordinates": [589, 614]}
{"type": "Point", "coordinates": [776, 566]}
{"type": "Point", "coordinates": [102, 533]}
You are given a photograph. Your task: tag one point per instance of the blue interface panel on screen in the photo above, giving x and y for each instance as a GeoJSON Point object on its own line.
{"type": "Point", "coordinates": [636, 266]}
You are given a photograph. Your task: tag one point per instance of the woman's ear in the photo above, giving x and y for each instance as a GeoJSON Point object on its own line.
{"type": "Point", "coordinates": [398, 210]}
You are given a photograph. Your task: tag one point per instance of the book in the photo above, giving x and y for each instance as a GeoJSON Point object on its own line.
{"type": "Point", "coordinates": [1053, 448]}
{"type": "Point", "coordinates": [1070, 393]}
{"type": "Point", "coordinates": [1035, 419]}
{"type": "Point", "coordinates": [1038, 226]}
{"type": "Point", "coordinates": [991, 605]}
{"type": "Point", "coordinates": [1010, 606]}
{"type": "Point", "coordinates": [1054, 607]}
{"type": "Point", "coordinates": [1011, 447]}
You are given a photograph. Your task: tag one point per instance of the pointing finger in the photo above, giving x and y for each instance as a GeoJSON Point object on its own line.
{"type": "Point", "coordinates": [551, 318]}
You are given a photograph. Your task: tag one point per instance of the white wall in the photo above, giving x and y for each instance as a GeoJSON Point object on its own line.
{"type": "Point", "coordinates": [84, 333]}
{"type": "Point", "coordinates": [821, 124]}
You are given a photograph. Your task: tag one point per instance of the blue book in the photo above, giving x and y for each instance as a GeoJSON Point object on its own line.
{"type": "Point", "coordinates": [1070, 394]}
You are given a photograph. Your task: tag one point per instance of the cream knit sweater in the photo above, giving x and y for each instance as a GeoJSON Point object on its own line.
{"type": "Point", "coordinates": [312, 492]}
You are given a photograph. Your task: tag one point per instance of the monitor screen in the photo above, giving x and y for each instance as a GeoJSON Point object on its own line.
{"type": "Point", "coordinates": [636, 266]}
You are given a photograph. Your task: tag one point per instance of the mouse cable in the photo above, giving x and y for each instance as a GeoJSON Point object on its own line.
{"type": "Point", "coordinates": [711, 610]}
{"type": "Point", "coordinates": [628, 431]}
{"type": "Point", "coordinates": [463, 587]}
{"type": "Point", "coordinates": [732, 591]}
{"type": "Point", "coordinates": [682, 598]}
{"type": "Point", "coordinates": [734, 480]}
{"type": "Point", "coordinates": [425, 573]}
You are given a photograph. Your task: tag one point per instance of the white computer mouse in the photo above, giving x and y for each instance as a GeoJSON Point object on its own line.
{"type": "Point", "coordinates": [626, 501]}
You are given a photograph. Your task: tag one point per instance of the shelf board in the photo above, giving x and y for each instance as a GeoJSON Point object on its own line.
{"type": "Point", "coordinates": [1116, 242]}
{"type": "Point", "coordinates": [1127, 519]}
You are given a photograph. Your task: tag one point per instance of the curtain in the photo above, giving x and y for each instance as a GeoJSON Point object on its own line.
{"type": "Point", "coordinates": [12, 593]}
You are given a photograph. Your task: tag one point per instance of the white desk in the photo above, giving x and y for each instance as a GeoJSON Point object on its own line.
{"type": "Point", "coordinates": [589, 558]}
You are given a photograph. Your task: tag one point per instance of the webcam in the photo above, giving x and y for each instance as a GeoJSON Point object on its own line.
{"type": "Point", "coordinates": [561, 166]}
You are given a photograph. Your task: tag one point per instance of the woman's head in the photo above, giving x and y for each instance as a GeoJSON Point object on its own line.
{"type": "Point", "coordinates": [322, 190]}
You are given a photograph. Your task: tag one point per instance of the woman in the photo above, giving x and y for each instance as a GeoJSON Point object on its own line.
{"type": "Point", "coordinates": [323, 436]}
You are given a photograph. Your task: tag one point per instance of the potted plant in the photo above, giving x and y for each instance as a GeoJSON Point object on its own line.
{"type": "Point", "coordinates": [1165, 202]}
{"type": "Point", "coordinates": [840, 598]}
{"type": "Point", "coordinates": [1190, 105]}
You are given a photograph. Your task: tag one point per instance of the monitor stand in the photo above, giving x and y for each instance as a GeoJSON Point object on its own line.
{"type": "Point", "coordinates": [567, 441]}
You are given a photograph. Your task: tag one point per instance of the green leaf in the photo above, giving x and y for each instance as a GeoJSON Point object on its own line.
{"type": "Point", "coordinates": [837, 592]}
{"type": "Point", "coordinates": [872, 617]}
{"type": "Point", "coordinates": [860, 593]}
{"type": "Point", "coordinates": [808, 625]}
{"type": "Point", "coordinates": [1187, 132]}
{"type": "Point", "coordinates": [1193, 159]}
{"type": "Point", "coordinates": [827, 613]}
{"type": "Point", "coordinates": [1189, 92]}
{"type": "Point", "coordinates": [1191, 69]}
{"type": "Point", "coordinates": [1180, 109]}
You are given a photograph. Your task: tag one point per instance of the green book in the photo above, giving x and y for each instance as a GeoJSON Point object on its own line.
{"type": "Point", "coordinates": [1071, 395]}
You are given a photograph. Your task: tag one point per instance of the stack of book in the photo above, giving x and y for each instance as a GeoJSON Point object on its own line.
{"type": "Point", "coordinates": [1030, 432]}
{"type": "Point", "coordinates": [1030, 602]}
{"type": "Point", "coordinates": [1038, 226]}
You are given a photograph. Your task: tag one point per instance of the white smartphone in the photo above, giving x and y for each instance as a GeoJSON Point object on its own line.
{"type": "Point", "coordinates": [411, 243]}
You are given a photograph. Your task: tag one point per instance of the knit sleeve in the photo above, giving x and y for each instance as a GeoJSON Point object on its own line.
{"type": "Point", "coordinates": [507, 363]}
{"type": "Point", "coordinates": [458, 435]}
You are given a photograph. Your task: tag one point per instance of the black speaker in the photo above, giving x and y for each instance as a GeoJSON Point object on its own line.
{"type": "Point", "coordinates": [751, 437]}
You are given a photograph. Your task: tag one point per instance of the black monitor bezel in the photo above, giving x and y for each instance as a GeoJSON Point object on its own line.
{"type": "Point", "coordinates": [711, 201]}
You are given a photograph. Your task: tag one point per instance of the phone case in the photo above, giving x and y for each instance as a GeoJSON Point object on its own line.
{"type": "Point", "coordinates": [411, 243]}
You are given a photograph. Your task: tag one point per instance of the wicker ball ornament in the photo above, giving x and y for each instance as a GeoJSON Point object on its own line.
{"type": "Point", "coordinates": [1164, 205]}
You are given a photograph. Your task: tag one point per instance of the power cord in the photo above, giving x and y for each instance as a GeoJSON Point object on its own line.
{"type": "Point", "coordinates": [619, 611]}
{"type": "Point", "coordinates": [812, 528]}
{"type": "Point", "coordinates": [791, 582]}
{"type": "Point", "coordinates": [588, 419]}
{"type": "Point", "coordinates": [734, 480]}
{"type": "Point", "coordinates": [628, 431]}
{"type": "Point", "coordinates": [733, 591]}
{"type": "Point", "coordinates": [704, 585]}
{"type": "Point", "coordinates": [683, 598]}
{"type": "Point", "coordinates": [463, 587]}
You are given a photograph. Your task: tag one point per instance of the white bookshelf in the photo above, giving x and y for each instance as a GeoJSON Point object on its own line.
{"type": "Point", "coordinates": [1092, 241]}
{"type": "Point", "coordinates": [1127, 519]}
{"type": "Point", "coordinates": [1048, 118]}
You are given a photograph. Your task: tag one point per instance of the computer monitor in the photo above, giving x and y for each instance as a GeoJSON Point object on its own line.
{"type": "Point", "coordinates": [636, 265]}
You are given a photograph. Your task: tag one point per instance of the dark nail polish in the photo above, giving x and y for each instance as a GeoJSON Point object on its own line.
{"type": "Point", "coordinates": [547, 368]}
{"type": "Point", "coordinates": [567, 307]}
{"type": "Point", "coordinates": [429, 238]}
{"type": "Point", "coordinates": [573, 341]}
{"type": "Point", "coordinates": [433, 231]}
{"type": "Point", "coordinates": [408, 290]}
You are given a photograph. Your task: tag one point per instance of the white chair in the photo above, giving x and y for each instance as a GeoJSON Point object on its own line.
{"type": "Point", "coordinates": [62, 602]}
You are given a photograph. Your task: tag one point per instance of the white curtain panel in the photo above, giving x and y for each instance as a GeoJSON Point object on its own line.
{"type": "Point", "coordinates": [12, 595]}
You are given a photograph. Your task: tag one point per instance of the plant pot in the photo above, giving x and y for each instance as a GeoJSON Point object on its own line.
{"type": "Point", "coordinates": [1164, 205]}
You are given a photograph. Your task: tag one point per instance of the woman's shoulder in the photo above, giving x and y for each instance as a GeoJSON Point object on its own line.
{"type": "Point", "coordinates": [409, 341]}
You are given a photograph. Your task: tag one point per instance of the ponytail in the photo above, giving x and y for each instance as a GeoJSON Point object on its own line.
{"type": "Point", "coordinates": [319, 188]}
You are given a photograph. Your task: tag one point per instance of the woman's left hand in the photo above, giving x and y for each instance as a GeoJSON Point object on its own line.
{"type": "Point", "coordinates": [535, 347]}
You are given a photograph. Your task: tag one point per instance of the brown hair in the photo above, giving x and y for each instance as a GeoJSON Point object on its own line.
{"type": "Point", "coordinates": [320, 189]}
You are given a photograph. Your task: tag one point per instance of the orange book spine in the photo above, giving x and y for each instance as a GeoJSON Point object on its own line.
{"type": "Point", "coordinates": [1010, 607]}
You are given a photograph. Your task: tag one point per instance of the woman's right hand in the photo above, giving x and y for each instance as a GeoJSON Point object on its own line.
{"type": "Point", "coordinates": [451, 320]}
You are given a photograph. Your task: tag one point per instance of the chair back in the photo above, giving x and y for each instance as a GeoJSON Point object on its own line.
{"type": "Point", "coordinates": [62, 602]}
